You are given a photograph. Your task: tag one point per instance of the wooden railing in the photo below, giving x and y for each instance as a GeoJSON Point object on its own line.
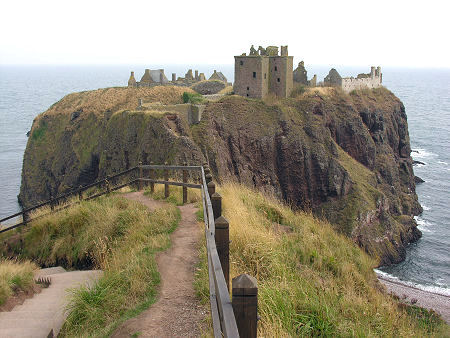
{"type": "Point", "coordinates": [229, 318]}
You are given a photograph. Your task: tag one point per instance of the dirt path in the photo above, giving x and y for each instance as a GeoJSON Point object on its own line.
{"type": "Point", "coordinates": [177, 312]}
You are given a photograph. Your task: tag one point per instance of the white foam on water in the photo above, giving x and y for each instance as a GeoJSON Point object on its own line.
{"type": "Point", "coordinates": [441, 290]}
{"type": "Point", "coordinates": [422, 154]}
{"type": "Point", "coordinates": [424, 207]}
{"type": "Point", "coordinates": [423, 225]}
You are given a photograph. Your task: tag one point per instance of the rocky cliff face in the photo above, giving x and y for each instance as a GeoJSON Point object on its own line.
{"type": "Point", "coordinates": [344, 157]}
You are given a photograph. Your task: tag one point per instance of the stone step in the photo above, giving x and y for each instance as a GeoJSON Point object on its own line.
{"type": "Point", "coordinates": [24, 332]}
{"type": "Point", "coordinates": [49, 271]}
{"type": "Point", "coordinates": [24, 315]}
{"type": "Point", "coordinates": [42, 322]}
{"type": "Point", "coordinates": [46, 310]}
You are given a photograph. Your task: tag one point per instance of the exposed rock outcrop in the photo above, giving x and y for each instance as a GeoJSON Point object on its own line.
{"type": "Point", "coordinates": [345, 157]}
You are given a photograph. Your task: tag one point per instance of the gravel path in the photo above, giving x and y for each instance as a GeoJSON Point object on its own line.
{"type": "Point", "coordinates": [177, 312]}
{"type": "Point", "coordinates": [425, 299]}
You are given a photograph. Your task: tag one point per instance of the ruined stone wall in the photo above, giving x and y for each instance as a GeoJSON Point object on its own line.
{"type": "Point", "coordinates": [250, 76]}
{"type": "Point", "coordinates": [350, 83]}
{"type": "Point", "coordinates": [281, 75]}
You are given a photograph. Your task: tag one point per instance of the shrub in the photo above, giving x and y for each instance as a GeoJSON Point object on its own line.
{"type": "Point", "coordinates": [194, 98]}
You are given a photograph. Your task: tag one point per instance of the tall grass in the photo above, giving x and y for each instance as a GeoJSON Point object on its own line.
{"type": "Point", "coordinates": [312, 281]}
{"type": "Point", "coordinates": [115, 235]}
{"type": "Point", "coordinates": [15, 276]}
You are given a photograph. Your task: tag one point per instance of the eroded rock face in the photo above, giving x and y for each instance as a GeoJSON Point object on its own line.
{"type": "Point", "coordinates": [345, 157]}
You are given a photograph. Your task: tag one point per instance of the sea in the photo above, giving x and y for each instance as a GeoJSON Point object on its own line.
{"type": "Point", "coordinates": [26, 91]}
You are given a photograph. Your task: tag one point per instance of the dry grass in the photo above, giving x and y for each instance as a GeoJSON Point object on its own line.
{"type": "Point", "coordinates": [114, 99]}
{"type": "Point", "coordinates": [15, 276]}
{"type": "Point", "coordinates": [115, 235]}
{"type": "Point", "coordinates": [226, 91]}
{"type": "Point", "coordinates": [312, 281]}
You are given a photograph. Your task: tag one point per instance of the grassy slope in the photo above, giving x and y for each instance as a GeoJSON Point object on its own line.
{"type": "Point", "coordinates": [312, 281]}
{"type": "Point", "coordinates": [116, 235]}
{"type": "Point", "coordinates": [15, 276]}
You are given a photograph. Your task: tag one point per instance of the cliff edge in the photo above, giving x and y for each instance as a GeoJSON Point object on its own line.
{"type": "Point", "coordinates": [345, 157]}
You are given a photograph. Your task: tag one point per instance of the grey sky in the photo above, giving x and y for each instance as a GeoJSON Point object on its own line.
{"type": "Point", "coordinates": [386, 33]}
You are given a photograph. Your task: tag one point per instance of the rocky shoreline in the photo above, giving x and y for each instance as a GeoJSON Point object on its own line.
{"type": "Point", "coordinates": [413, 296]}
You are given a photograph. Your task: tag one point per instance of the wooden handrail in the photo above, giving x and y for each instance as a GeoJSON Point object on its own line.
{"type": "Point", "coordinates": [223, 318]}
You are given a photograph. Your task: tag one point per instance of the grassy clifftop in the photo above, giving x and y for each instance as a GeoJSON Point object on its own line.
{"type": "Point", "coordinates": [312, 281]}
{"type": "Point", "coordinates": [346, 157]}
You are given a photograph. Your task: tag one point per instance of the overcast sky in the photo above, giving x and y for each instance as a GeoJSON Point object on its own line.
{"type": "Point", "coordinates": [360, 33]}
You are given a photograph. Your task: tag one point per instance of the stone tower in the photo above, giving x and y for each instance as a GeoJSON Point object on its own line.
{"type": "Point", "coordinates": [264, 72]}
{"type": "Point", "coordinates": [132, 81]}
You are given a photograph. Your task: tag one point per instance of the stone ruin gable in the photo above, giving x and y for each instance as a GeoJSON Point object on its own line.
{"type": "Point", "coordinates": [218, 76]}
{"type": "Point", "coordinates": [301, 76]}
{"type": "Point", "coordinates": [149, 79]}
{"type": "Point", "coordinates": [158, 78]}
{"type": "Point", "coordinates": [263, 72]}
{"type": "Point", "coordinates": [333, 79]}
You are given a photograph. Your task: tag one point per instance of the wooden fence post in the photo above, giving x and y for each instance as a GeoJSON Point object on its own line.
{"type": "Point", "coordinates": [152, 176]}
{"type": "Point", "coordinates": [140, 176]}
{"type": "Point", "coordinates": [108, 188]}
{"type": "Point", "coordinates": [208, 178]}
{"type": "Point", "coordinates": [245, 304]}
{"type": "Point", "coordinates": [211, 188]}
{"type": "Point", "coordinates": [166, 178]}
{"type": "Point", "coordinates": [25, 218]}
{"type": "Point", "coordinates": [216, 201]}
{"type": "Point", "coordinates": [185, 176]}
{"type": "Point", "coordinates": [222, 237]}
{"type": "Point", "coordinates": [52, 203]}
{"type": "Point", "coordinates": [80, 193]}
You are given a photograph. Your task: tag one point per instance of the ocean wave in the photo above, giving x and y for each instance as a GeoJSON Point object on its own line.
{"type": "Point", "coordinates": [442, 162]}
{"type": "Point", "coordinates": [424, 207]}
{"type": "Point", "coordinates": [421, 154]}
{"type": "Point", "coordinates": [423, 225]}
{"type": "Point", "coordinates": [442, 289]}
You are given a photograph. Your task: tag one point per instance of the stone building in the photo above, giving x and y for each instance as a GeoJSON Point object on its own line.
{"type": "Point", "coordinates": [150, 78]}
{"type": "Point", "coordinates": [373, 79]}
{"type": "Point", "coordinates": [157, 78]}
{"type": "Point", "coordinates": [218, 76]}
{"type": "Point", "coordinates": [301, 76]}
{"type": "Point", "coordinates": [263, 72]}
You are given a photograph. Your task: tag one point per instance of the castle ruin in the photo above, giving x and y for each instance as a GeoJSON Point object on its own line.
{"type": "Point", "coordinates": [370, 80]}
{"type": "Point", "coordinates": [264, 72]}
{"type": "Point", "coordinates": [158, 78]}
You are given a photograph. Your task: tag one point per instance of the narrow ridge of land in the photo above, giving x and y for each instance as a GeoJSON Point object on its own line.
{"type": "Point", "coordinates": [177, 312]}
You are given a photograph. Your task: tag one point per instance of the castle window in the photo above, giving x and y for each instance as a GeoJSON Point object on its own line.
{"type": "Point", "coordinates": [264, 76]}
{"type": "Point", "coordinates": [254, 75]}
{"type": "Point", "coordinates": [278, 80]}
{"type": "Point", "coordinates": [247, 94]}
{"type": "Point", "coordinates": [248, 88]}
{"type": "Point", "coordinates": [276, 68]}
{"type": "Point", "coordinates": [241, 63]}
